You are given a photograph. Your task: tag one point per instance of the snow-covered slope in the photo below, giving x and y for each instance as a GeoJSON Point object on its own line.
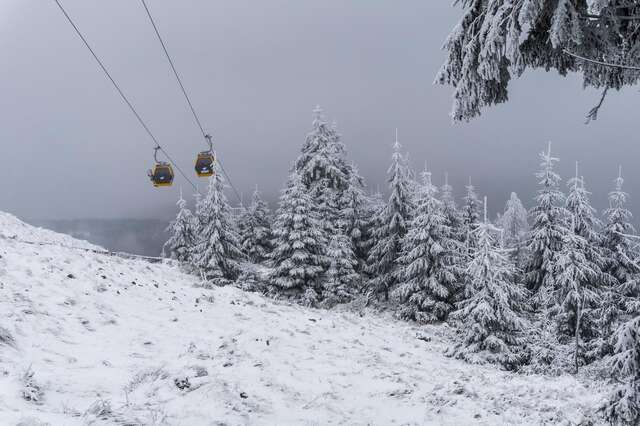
{"type": "Point", "coordinates": [107, 340]}
{"type": "Point", "coordinates": [13, 228]}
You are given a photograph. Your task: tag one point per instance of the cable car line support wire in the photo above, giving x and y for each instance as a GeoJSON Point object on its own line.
{"type": "Point", "coordinates": [186, 96]}
{"type": "Point", "coordinates": [122, 95]}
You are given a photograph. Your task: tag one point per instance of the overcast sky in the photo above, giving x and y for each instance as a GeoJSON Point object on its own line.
{"type": "Point", "coordinates": [255, 70]}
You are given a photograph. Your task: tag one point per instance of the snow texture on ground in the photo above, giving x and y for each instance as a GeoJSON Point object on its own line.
{"type": "Point", "coordinates": [94, 339]}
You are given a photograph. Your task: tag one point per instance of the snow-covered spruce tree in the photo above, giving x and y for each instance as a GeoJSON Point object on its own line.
{"type": "Point", "coordinates": [255, 231]}
{"type": "Point", "coordinates": [298, 244]}
{"type": "Point", "coordinates": [322, 155]}
{"type": "Point", "coordinates": [376, 201]}
{"type": "Point", "coordinates": [412, 177]}
{"type": "Point", "coordinates": [575, 295]}
{"type": "Point", "coordinates": [355, 216]}
{"type": "Point", "coordinates": [243, 223]}
{"type": "Point", "coordinates": [497, 40]}
{"type": "Point", "coordinates": [197, 213]}
{"type": "Point", "coordinates": [323, 168]}
{"type": "Point", "coordinates": [623, 407]}
{"type": "Point", "coordinates": [548, 229]}
{"type": "Point", "coordinates": [621, 294]}
{"type": "Point", "coordinates": [182, 232]}
{"type": "Point", "coordinates": [429, 273]}
{"type": "Point", "coordinates": [341, 281]}
{"type": "Point", "coordinates": [618, 229]}
{"type": "Point", "coordinates": [515, 227]}
{"type": "Point", "coordinates": [470, 217]}
{"type": "Point", "coordinates": [328, 177]}
{"type": "Point", "coordinates": [326, 203]}
{"type": "Point", "coordinates": [585, 221]}
{"type": "Point", "coordinates": [490, 315]}
{"type": "Point", "coordinates": [392, 223]}
{"type": "Point", "coordinates": [217, 252]}
{"type": "Point", "coordinates": [374, 208]}
{"type": "Point", "coordinates": [577, 274]}
{"type": "Point", "coordinates": [587, 225]}
{"type": "Point", "coordinates": [451, 212]}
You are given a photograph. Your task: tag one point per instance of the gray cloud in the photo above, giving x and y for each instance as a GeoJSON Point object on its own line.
{"type": "Point", "coordinates": [255, 70]}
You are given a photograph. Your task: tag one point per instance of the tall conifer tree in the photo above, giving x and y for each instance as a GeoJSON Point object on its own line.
{"type": "Point", "coordinates": [623, 407]}
{"type": "Point", "coordinates": [392, 221]}
{"type": "Point", "coordinates": [429, 272]}
{"type": "Point", "coordinates": [490, 315]}
{"type": "Point", "coordinates": [470, 217]}
{"type": "Point", "coordinates": [515, 227]}
{"type": "Point", "coordinates": [341, 281]}
{"type": "Point", "coordinates": [256, 230]}
{"type": "Point", "coordinates": [548, 230]}
{"type": "Point", "coordinates": [218, 251]}
{"type": "Point", "coordinates": [182, 231]}
{"type": "Point", "coordinates": [299, 243]}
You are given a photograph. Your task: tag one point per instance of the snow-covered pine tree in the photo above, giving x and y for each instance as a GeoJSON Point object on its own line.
{"type": "Point", "coordinates": [339, 151]}
{"type": "Point", "coordinates": [376, 201]}
{"type": "Point", "coordinates": [323, 168]}
{"type": "Point", "coordinates": [623, 407]}
{"type": "Point", "coordinates": [341, 281]}
{"type": "Point", "coordinates": [196, 214]}
{"type": "Point", "coordinates": [585, 221]}
{"type": "Point", "coordinates": [243, 222]}
{"type": "Point", "coordinates": [429, 274]}
{"type": "Point", "coordinates": [490, 315]}
{"type": "Point", "coordinates": [514, 222]}
{"type": "Point", "coordinates": [328, 177]}
{"type": "Point", "coordinates": [355, 216]}
{"type": "Point", "coordinates": [374, 208]}
{"type": "Point", "coordinates": [574, 295]}
{"type": "Point", "coordinates": [547, 232]}
{"type": "Point", "coordinates": [450, 210]}
{"type": "Point", "coordinates": [617, 235]}
{"type": "Point", "coordinates": [217, 252]}
{"type": "Point", "coordinates": [326, 202]}
{"type": "Point", "coordinates": [515, 227]}
{"type": "Point", "coordinates": [255, 230]}
{"type": "Point", "coordinates": [298, 244]}
{"type": "Point", "coordinates": [322, 156]}
{"type": "Point", "coordinates": [470, 217]}
{"type": "Point", "coordinates": [577, 272]}
{"type": "Point", "coordinates": [392, 223]}
{"type": "Point", "coordinates": [622, 294]}
{"type": "Point", "coordinates": [412, 177]}
{"type": "Point", "coordinates": [182, 232]}
{"type": "Point", "coordinates": [589, 308]}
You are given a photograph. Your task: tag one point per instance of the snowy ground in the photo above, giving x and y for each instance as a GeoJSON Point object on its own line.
{"type": "Point", "coordinates": [107, 339]}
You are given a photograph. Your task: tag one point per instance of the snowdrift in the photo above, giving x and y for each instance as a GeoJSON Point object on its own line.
{"type": "Point", "coordinates": [92, 339]}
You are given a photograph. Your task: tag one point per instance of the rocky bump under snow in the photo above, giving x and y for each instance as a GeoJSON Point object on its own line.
{"type": "Point", "coordinates": [93, 339]}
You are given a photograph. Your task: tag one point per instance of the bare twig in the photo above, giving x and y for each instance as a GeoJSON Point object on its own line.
{"type": "Point", "coordinates": [592, 115]}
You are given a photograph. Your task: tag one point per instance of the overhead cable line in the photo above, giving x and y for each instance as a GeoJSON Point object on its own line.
{"type": "Point", "coordinates": [186, 96]}
{"type": "Point", "coordinates": [605, 64]}
{"type": "Point", "coordinates": [122, 95]}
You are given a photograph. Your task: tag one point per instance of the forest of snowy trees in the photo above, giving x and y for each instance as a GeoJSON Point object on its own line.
{"type": "Point", "coordinates": [553, 289]}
